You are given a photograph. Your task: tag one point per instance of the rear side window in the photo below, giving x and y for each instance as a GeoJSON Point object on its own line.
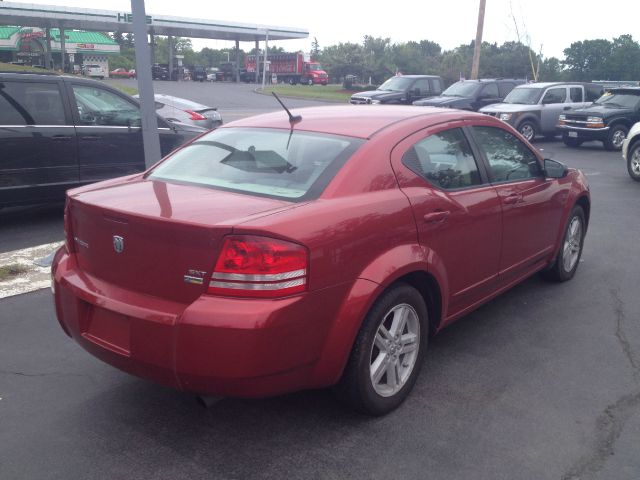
{"type": "Point", "coordinates": [444, 159]}
{"type": "Point", "coordinates": [275, 163]}
{"type": "Point", "coordinates": [31, 103]}
{"type": "Point", "coordinates": [509, 159]}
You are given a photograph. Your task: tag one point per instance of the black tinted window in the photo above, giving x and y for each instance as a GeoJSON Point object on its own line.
{"type": "Point", "coordinates": [422, 85]}
{"type": "Point", "coordinates": [576, 94]}
{"type": "Point", "coordinates": [30, 103]}
{"type": "Point", "coordinates": [505, 88]}
{"type": "Point", "coordinates": [509, 159]}
{"type": "Point", "coordinates": [444, 159]}
{"type": "Point", "coordinates": [436, 86]}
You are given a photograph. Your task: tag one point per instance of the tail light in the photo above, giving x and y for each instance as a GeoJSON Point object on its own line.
{"type": "Point", "coordinates": [259, 267]}
{"type": "Point", "coordinates": [68, 234]}
{"type": "Point", "coordinates": [195, 115]}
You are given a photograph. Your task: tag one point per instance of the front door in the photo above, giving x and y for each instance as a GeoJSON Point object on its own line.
{"type": "Point", "coordinates": [457, 212]}
{"type": "Point", "coordinates": [530, 219]}
{"type": "Point", "coordinates": [553, 103]}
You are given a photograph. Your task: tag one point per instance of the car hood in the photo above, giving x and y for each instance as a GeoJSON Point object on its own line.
{"type": "Point", "coordinates": [509, 108]}
{"type": "Point", "coordinates": [441, 101]}
{"type": "Point", "coordinates": [600, 111]}
{"type": "Point", "coordinates": [378, 95]}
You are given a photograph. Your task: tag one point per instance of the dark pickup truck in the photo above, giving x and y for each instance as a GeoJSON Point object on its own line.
{"type": "Point", "coordinates": [607, 120]}
{"type": "Point", "coordinates": [472, 94]}
{"type": "Point", "coordinates": [404, 89]}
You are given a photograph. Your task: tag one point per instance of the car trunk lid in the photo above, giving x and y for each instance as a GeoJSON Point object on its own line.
{"type": "Point", "coordinates": [157, 238]}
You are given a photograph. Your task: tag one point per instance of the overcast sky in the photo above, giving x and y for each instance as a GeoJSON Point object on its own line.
{"type": "Point", "coordinates": [552, 25]}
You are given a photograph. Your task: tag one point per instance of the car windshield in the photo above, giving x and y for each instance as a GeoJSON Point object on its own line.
{"type": "Point", "coordinates": [284, 164]}
{"type": "Point", "coordinates": [315, 66]}
{"type": "Point", "coordinates": [619, 100]}
{"type": "Point", "coordinates": [526, 95]}
{"type": "Point", "coordinates": [461, 89]}
{"type": "Point", "coordinates": [395, 84]}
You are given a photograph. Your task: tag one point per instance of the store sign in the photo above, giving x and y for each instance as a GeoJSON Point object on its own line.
{"type": "Point", "coordinates": [128, 18]}
{"type": "Point", "coordinates": [86, 46]}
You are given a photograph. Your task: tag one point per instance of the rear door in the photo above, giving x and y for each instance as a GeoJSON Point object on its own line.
{"type": "Point", "coordinates": [109, 133]}
{"type": "Point", "coordinates": [38, 151]}
{"type": "Point", "coordinates": [457, 211]}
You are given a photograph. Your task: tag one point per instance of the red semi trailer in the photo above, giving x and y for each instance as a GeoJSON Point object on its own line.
{"type": "Point", "coordinates": [291, 68]}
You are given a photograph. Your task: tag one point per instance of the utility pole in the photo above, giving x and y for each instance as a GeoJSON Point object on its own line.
{"type": "Point", "coordinates": [475, 67]}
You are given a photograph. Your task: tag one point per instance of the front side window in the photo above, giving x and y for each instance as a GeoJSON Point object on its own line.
{"type": "Point", "coordinates": [268, 162]}
{"type": "Point", "coordinates": [97, 106]}
{"type": "Point", "coordinates": [509, 159]}
{"type": "Point", "coordinates": [444, 159]}
{"type": "Point", "coordinates": [490, 90]}
{"type": "Point", "coordinates": [30, 103]}
{"type": "Point", "coordinates": [422, 85]}
{"type": "Point", "coordinates": [576, 94]}
{"type": "Point", "coordinates": [555, 95]}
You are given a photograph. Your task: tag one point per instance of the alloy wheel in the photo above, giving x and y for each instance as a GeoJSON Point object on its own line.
{"type": "Point", "coordinates": [395, 350]}
{"type": "Point", "coordinates": [572, 244]}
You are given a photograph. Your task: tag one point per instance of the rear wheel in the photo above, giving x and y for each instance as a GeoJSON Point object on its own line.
{"type": "Point", "coordinates": [528, 130]}
{"type": "Point", "coordinates": [633, 162]}
{"type": "Point", "coordinates": [566, 262]}
{"type": "Point", "coordinates": [388, 352]}
{"type": "Point", "coordinates": [570, 141]}
{"type": "Point", "coordinates": [615, 138]}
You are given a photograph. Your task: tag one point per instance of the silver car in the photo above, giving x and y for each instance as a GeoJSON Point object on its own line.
{"type": "Point", "coordinates": [176, 109]}
{"type": "Point", "coordinates": [533, 109]}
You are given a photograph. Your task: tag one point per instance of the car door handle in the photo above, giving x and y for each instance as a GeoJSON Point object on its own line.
{"type": "Point", "coordinates": [90, 137]}
{"type": "Point", "coordinates": [512, 198]}
{"type": "Point", "coordinates": [436, 217]}
{"type": "Point", "coordinates": [61, 138]}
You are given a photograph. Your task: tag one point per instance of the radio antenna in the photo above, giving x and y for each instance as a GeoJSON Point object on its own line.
{"type": "Point", "coordinates": [293, 119]}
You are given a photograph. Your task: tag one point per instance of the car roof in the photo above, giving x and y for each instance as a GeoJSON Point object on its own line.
{"type": "Point", "coordinates": [418, 76]}
{"type": "Point", "coordinates": [361, 121]}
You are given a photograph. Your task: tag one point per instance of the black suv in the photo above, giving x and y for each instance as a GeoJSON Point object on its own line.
{"type": "Point", "coordinates": [198, 73]}
{"type": "Point", "coordinates": [59, 132]}
{"type": "Point", "coordinates": [472, 94]}
{"type": "Point", "coordinates": [160, 71]}
{"type": "Point", "coordinates": [401, 89]}
{"type": "Point", "coordinates": [608, 119]}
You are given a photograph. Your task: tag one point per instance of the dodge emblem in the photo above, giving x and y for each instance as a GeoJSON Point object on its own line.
{"type": "Point", "coordinates": [118, 243]}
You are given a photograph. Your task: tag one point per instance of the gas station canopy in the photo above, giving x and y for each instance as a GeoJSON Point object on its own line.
{"type": "Point", "coordinates": [48, 16]}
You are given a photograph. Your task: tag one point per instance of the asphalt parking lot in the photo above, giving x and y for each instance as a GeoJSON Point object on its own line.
{"type": "Point", "coordinates": [541, 383]}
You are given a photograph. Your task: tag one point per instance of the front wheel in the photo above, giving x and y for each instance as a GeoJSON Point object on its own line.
{"type": "Point", "coordinates": [633, 162]}
{"type": "Point", "coordinates": [388, 352]}
{"type": "Point", "coordinates": [615, 139]}
{"type": "Point", "coordinates": [566, 262]}
{"type": "Point", "coordinates": [528, 130]}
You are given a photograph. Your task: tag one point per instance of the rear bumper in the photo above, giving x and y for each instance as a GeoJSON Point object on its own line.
{"type": "Point", "coordinates": [216, 346]}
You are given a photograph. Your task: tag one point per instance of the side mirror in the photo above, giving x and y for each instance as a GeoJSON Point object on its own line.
{"type": "Point", "coordinates": [554, 169]}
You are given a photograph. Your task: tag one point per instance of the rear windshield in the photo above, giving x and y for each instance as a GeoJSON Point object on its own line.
{"type": "Point", "coordinates": [294, 166]}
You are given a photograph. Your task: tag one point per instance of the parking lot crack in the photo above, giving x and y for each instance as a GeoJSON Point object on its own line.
{"type": "Point", "coordinates": [43, 374]}
{"type": "Point", "coordinates": [619, 311]}
{"type": "Point", "coordinates": [609, 426]}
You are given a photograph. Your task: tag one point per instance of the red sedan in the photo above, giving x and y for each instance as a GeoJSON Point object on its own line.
{"type": "Point", "coordinates": [270, 256]}
{"type": "Point", "coordinates": [122, 73]}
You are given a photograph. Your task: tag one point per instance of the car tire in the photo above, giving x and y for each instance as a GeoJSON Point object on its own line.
{"type": "Point", "coordinates": [633, 161]}
{"type": "Point", "coordinates": [292, 81]}
{"type": "Point", "coordinates": [571, 142]}
{"type": "Point", "coordinates": [310, 81]}
{"type": "Point", "coordinates": [615, 138]}
{"type": "Point", "coordinates": [388, 352]}
{"type": "Point", "coordinates": [528, 130]}
{"type": "Point", "coordinates": [566, 262]}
